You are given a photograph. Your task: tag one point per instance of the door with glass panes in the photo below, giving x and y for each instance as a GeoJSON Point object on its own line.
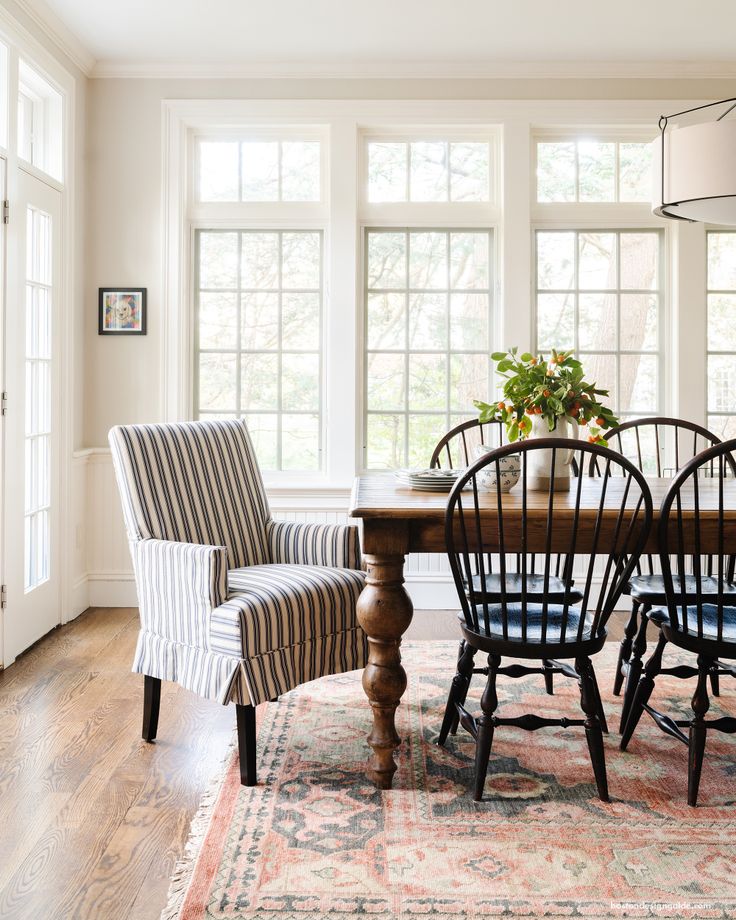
{"type": "Point", "coordinates": [31, 450]}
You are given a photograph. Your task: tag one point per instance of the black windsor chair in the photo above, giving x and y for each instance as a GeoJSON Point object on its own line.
{"type": "Point", "coordinates": [608, 536]}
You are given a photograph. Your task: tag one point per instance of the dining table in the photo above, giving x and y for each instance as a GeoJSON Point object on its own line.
{"type": "Point", "coordinates": [398, 520]}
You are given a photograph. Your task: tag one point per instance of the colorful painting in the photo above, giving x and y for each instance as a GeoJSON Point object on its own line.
{"type": "Point", "coordinates": [122, 311]}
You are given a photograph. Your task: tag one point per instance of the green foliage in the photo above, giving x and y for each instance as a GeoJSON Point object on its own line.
{"type": "Point", "coordinates": [550, 388]}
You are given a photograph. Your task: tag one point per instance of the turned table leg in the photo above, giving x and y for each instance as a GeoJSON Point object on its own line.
{"type": "Point", "coordinates": [385, 612]}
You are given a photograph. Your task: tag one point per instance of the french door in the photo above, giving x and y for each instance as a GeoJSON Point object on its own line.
{"type": "Point", "coordinates": [31, 570]}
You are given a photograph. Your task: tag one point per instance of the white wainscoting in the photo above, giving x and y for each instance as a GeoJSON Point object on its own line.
{"type": "Point", "coordinates": [103, 572]}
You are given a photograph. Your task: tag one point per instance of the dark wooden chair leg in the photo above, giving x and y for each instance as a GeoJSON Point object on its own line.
{"type": "Point", "coordinates": [715, 681]}
{"type": "Point", "coordinates": [458, 691]}
{"type": "Point", "coordinates": [624, 651]}
{"type": "Point", "coordinates": [593, 729]}
{"type": "Point", "coordinates": [549, 677]}
{"type": "Point", "coordinates": [488, 704]}
{"type": "Point", "coordinates": [151, 706]}
{"type": "Point", "coordinates": [599, 701]}
{"type": "Point", "coordinates": [643, 692]}
{"type": "Point", "coordinates": [635, 668]}
{"type": "Point", "coordinates": [246, 719]}
{"type": "Point", "coordinates": [696, 748]}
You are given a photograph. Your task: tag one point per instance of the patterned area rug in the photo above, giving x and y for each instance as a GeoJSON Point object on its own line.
{"type": "Point", "coordinates": [315, 839]}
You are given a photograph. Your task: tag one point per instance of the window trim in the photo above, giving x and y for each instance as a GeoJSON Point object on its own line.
{"type": "Point", "coordinates": [365, 412]}
{"type": "Point", "coordinates": [239, 351]}
{"type": "Point", "coordinates": [346, 121]}
{"type": "Point", "coordinates": [663, 399]}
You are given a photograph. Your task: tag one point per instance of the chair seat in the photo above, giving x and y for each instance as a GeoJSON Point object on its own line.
{"type": "Point", "coordinates": [650, 588]}
{"type": "Point", "coordinates": [661, 616]}
{"type": "Point", "coordinates": [494, 587]}
{"type": "Point", "coordinates": [534, 617]}
{"type": "Point", "coordinates": [281, 606]}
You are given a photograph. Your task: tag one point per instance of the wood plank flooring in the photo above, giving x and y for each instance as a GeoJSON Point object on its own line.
{"type": "Point", "coordinates": [93, 819]}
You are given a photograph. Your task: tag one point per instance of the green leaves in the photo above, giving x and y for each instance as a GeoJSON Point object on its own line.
{"type": "Point", "coordinates": [552, 389]}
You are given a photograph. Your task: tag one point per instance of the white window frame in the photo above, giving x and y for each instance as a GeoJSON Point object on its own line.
{"type": "Point", "coordinates": [605, 216]}
{"type": "Point", "coordinates": [271, 475]}
{"type": "Point", "coordinates": [421, 215]}
{"type": "Point", "coordinates": [16, 42]}
{"type": "Point", "coordinates": [715, 352]}
{"type": "Point", "coordinates": [346, 215]}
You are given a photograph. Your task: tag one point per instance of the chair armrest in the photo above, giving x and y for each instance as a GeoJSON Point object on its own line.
{"type": "Point", "coordinates": [179, 584]}
{"type": "Point", "coordinates": [333, 545]}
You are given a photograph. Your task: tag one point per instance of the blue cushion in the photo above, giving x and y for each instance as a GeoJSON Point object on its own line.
{"type": "Point", "coordinates": [534, 618]}
{"type": "Point", "coordinates": [651, 587]}
{"type": "Point", "coordinates": [710, 621]}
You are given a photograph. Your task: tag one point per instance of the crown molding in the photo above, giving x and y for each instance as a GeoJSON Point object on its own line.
{"type": "Point", "coordinates": [422, 70]}
{"type": "Point", "coordinates": [49, 24]}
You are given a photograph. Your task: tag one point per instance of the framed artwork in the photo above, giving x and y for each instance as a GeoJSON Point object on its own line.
{"type": "Point", "coordinates": [122, 311]}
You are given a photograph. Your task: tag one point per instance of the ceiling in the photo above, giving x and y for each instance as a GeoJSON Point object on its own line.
{"type": "Point", "coordinates": [397, 37]}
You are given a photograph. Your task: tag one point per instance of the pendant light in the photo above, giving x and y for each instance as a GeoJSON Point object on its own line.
{"type": "Point", "coordinates": [694, 168]}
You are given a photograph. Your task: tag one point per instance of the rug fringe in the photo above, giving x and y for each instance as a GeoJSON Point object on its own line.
{"type": "Point", "coordinates": [184, 868]}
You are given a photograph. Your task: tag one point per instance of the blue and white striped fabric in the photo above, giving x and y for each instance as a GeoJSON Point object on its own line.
{"type": "Point", "coordinates": [234, 605]}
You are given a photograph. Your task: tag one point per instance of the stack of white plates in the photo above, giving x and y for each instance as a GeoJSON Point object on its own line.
{"type": "Point", "coordinates": [428, 480]}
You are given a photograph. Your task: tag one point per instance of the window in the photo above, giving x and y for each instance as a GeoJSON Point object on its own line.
{"type": "Point", "coordinates": [259, 339]}
{"type": "Point", "coordinates": [722, 333]}
{"type": "Point", "coordinates": [38, 398]}
{"type": "Point", "coordinates": [259, 169]}
{"type": "Point", "coordinates": [581, 170]}
{"type": "Point", "coordinates": [429, 170]}
{"type": "Point", "coordinates": [428, 309]}
{"type": "Point", "coordinates": [599, 292]}
{"type": "Point", "coordinates": [39, 121]}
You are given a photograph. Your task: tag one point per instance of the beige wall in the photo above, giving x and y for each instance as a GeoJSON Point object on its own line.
{"type": "Point", "coordinates": [123, 214]}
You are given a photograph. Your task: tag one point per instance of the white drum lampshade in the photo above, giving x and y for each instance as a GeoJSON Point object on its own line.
{"type": "Point", "coordinates": [699, 173]}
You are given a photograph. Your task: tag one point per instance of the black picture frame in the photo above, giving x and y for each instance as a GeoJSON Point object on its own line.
{"type": "Point", "coordinates": [127, 323]}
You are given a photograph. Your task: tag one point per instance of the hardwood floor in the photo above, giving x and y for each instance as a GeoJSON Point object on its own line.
{"type": "Point", "coordinates": [93, 819]}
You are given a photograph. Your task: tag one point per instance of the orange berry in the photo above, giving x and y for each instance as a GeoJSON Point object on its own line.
{"type": "Point", "coordinates": [574, 412]}
{"type": "Point", "coordinates": [502, 405]}
{"type": "Point", "coordinates": [533, 362]}
{"type": "Point", "coordinates": [530, 410]}
{"type": "Point", "coordinates": [547, 393]}
{"type": "Point", "coordinates": [582, 421]}
{"type": "Point", "coordinates": [600, 421]}
{"type": "Point", "coordinates": [538, 410]}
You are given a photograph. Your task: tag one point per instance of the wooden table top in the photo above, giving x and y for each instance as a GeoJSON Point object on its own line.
{"type": "Point", "coordinates": [381, 496]}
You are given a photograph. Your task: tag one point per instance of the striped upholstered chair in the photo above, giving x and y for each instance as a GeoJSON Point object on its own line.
{"type": "Point", "coordinates": [233, 605]}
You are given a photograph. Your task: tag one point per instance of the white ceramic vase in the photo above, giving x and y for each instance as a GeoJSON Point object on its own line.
{"type": "Point", "coordinates": [540, 461]}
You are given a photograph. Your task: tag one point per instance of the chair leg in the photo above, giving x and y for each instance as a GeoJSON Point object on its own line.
{"type": "Point", "coordinates": [643, 692]}
{"type": "Point", "coordinates": [624, 651]}
{"type": "Point", "coordinates": [488, 704]}
{"type": "Point", "coordinates": [696, 748]}
{"type": "Point", "coordinates": [593, 728]}
{"type": "Point", "coordinates": [599, 701]}
{"type": "Point", "coordinates": [151, 706]}
{"type": "Point", "coordinates": [715, 681]}
{"type": "Point", "coordinates": [635, 668]}
{"type": "Point", "coordinates": [549, 677]}
{"type": "Point", "coordinates": [458, 690]}
{"type": "Point", "coordinates": [246, 719]}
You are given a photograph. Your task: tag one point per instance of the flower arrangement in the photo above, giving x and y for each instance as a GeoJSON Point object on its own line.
{"type": "Point", "coordinates": [552, 389]}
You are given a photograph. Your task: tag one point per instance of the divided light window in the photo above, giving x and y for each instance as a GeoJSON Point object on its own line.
{"type": "Point", "coordinates": [428, 309]}
{"type": "Point", "coordinates": [599, 292]}
{"type": "Point", "coordinates": [258, 170]}
{"type": "Point", "coordinates": [722, 333]}
{"type": "Point", "coordinates": [429, 171]}
{"type": "Point", "coordinates": [593, 171]}
{"type": "Point", "coordinates": [39, 121]}
{"type": "Point", "coordinates": [258, 336]}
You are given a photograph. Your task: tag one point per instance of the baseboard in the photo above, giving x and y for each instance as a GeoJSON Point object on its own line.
{"type": "Point", "coordinates": [432, 592]}
{"type": "Point", "coordinates": [112, 589]}
{"type": "Point", "coordinates": [78, 598]}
